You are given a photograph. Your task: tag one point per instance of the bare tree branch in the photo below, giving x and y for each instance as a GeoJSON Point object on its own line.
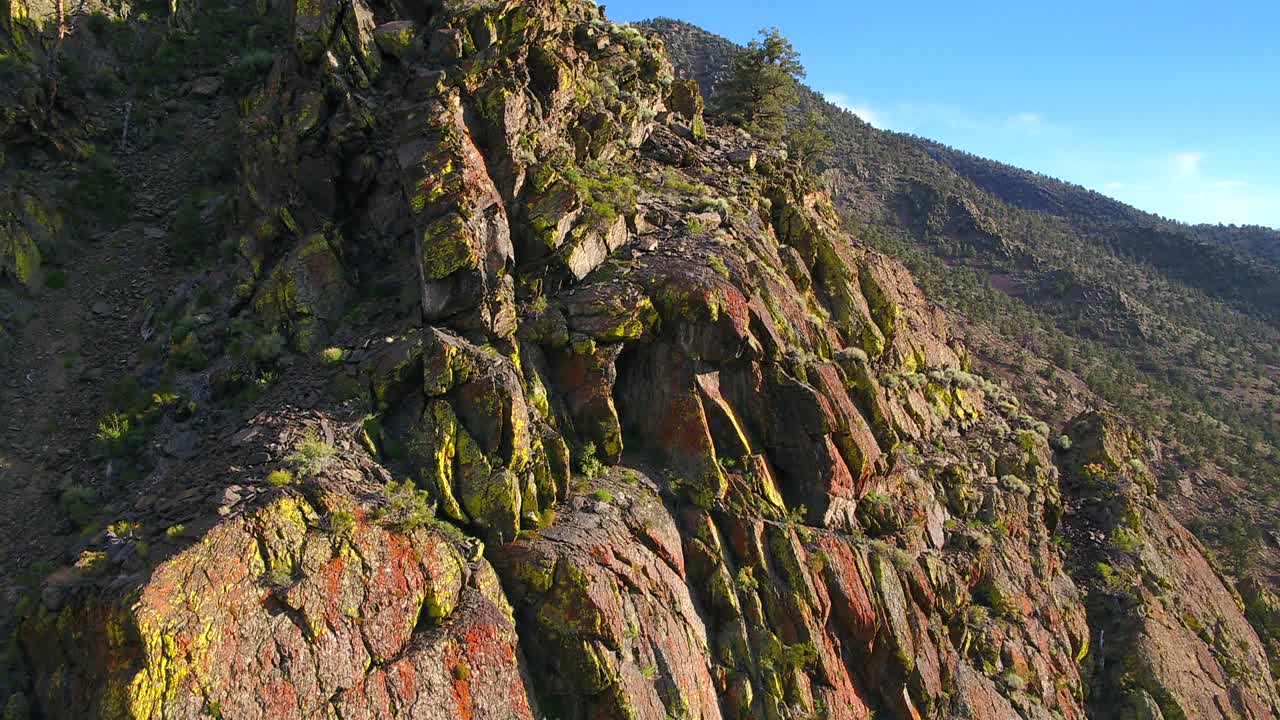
{"type": "Point", "coordinates": [60, 7]}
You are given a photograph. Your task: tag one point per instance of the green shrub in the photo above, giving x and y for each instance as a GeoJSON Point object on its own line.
{"type": "Point", "coordinates": [1126, 540]}
{"type": "Point", "coordinates": [188, 354]}
{"type": "Point", "coordinates": [126, 395]}
{"type": "Point", "coordinates": [976, 616]}
{"type": "Point", "coordinates": [1014, 484]}
{"type": "Point", "coordinates": [588, 464]}
{"type": "Point", "coordinates": [126, 530]}
{"type": "Point", "coordinates": [796, 516]}
{"type": "Point", "coordinates": [876, 499]}
{"type": "Point", "coordinates": [333, 355]}
{"type": "Point", "coordinates": [1242, 544]}
{"type": "Point", "coordinates": [605, 192]}
{"type": "Point", "coordinates": [801, 656]}
{"type": "Point", "coordinates": [1013, 680]}
{"type": "Point", "coordinates": [246, 70]}
{"type": "Point", "coordinates": [267, 348]}
{"type": "Point", "coordinates": [673, 181]}
{"type": "Point", "coordinates": [106, 81]}
{"type": "Point", "coordinates": [249, 342]}
{"type": "Point", "coordinates": [602, 495]}
{"type": "Point", "coordinates": [407, 507]}
{"type": "Point", "coordinates": [119, 435]}
{"type": "Point", "coordinates": [342, 524]}
{"type": "Point", "coordinates": [1113, 580]}
{"type": "Point", "coordinates": [718, 204]}
{"type": "Point", "coordinates": [1028, 439]}
{"type": "Point", "coordinates": [312, 456]}
{"type": "Point", "coordinates": [98, 193]}
{"type": "Point", "coordinates": [80, 504]}
{"type": "Point", "coordinates": [190, 237]}
{"type": "Point", "coordinates": [279, 478]}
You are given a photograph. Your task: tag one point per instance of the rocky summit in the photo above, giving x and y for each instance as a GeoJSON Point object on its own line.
{"type": "Point", "coordinates": [441, 360]}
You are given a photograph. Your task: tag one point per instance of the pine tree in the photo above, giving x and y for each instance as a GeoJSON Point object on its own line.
{"type": "Point", "coordinates": [761, 86]}
{"type": "Point", "coordinates": [808, 142]}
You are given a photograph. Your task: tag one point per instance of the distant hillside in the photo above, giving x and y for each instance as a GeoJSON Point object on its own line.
{"type": "Point", "coordinates": [1254, 239]}
{"type": "Point", "coordinates": [1173, 325]}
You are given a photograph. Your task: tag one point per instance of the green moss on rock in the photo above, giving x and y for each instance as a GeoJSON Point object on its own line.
{"type": "Point", "coordinates": [304, 291]}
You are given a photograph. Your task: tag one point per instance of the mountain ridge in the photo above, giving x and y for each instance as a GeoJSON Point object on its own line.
{"type": "Point", "coordinates": [710, 65]}
{"type": "Point", "coordinates": [459, 367]}
{"type": "Point", "coordinates": [1048, 267]}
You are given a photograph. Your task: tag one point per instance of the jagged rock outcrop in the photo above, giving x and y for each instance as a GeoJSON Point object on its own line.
{"type": "Point", "coordinates": [290, 608]}
{"type": "Point", "coordinates": [679, 445]}
{"type": "Point", "coordinates": [1170, 639]}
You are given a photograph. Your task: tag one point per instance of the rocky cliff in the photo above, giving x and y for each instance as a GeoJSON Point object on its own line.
{"type": "Point", "coordinates": [1058, 291]}
{"type": "Point", "coordinates": [518, 390]}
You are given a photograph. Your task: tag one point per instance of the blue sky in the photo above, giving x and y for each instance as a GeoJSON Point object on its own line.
{"type": "Point", "coordinates": [1168, 106]}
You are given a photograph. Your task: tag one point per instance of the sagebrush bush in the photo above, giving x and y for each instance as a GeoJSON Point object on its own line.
{"type": "Point", "coordinates": [311, 456]}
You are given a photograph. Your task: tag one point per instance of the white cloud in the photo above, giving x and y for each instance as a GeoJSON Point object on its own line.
{"type": "Point", "coordinates": [1230, 201]}
{"type": "Point", "coordinates": [1114, 186]}
{"type": "Point", "coordinates": [932, 119]}
{"type": "Point", "coordinates": [869, 116]}
{"type": "Point", "coordinates": [1027, 122]}
{"type": "Point", "coordinates": [1186, 164]}
{"type": "Point", "coordinates": [1248, 209]}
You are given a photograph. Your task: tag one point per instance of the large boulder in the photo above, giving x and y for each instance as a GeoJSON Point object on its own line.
{"type": "Point", "coordinates": [279, 614]}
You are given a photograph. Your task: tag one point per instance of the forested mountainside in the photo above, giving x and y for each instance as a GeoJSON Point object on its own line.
{"type": "Point", "coordinates": [1080, 300]}
{"type": "Point", "coordinates": [442, 360]}
{"type": "Point", "coordinates": [1032, 191]}
{"type": "Point", "coordinates": [1256, 240]}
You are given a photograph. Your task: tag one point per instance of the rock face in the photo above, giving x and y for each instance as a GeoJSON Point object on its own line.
{"type": "Point", "coordinates": [1171, 640]}
{"type": "Point", "coordinates": [291, 610]}
{"type": "Point", "coordinates": [680, 446]}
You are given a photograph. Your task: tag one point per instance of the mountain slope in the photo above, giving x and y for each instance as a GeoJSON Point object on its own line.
{"type": "Point", "coordinates": [1159, 320]}
{"type": "Point", "coordinates": [491, 382]}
